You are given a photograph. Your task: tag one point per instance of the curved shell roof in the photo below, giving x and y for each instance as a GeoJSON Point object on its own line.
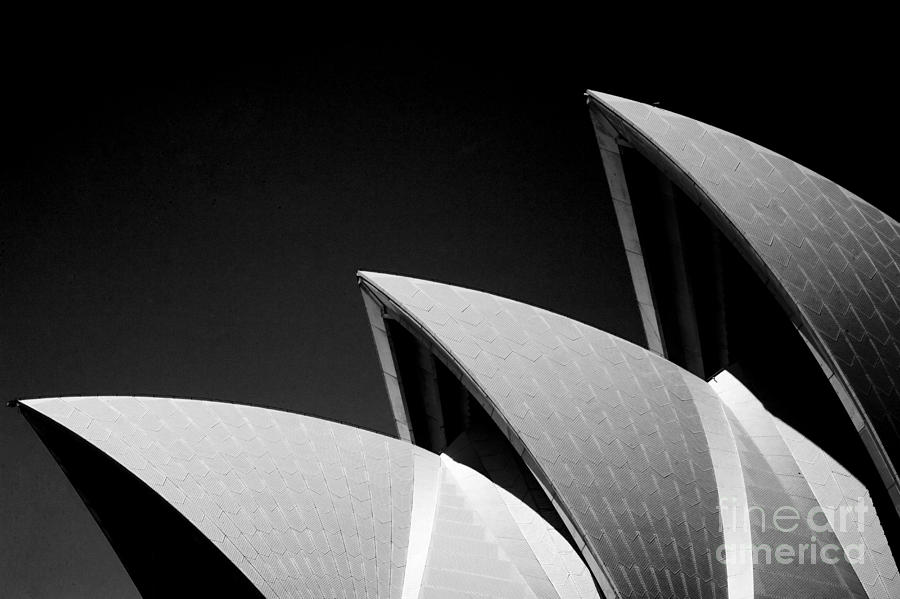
{"type": "Point", "coordinates": [610, 429]}
{"type": "Point", "coordinates": [309, 508]}
{"type": "Point", "coordinates": [832, 259]}
{"type": "Point", "coordinates": [642, 457]}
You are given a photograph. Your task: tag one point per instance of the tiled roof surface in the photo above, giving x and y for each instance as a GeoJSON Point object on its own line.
{"type": "Point", "coordinates": [836, 256]}
{"type": "Point", "coordinates": [840, 493]}
{"type": "Point", "coordinates": [612, 428]}
{"type": "Point", "coordinates": [723, 451]}
{"type": "Point", "coordinates": [310, 508]}
{"type": "Point", "coordinates": [774, 482]}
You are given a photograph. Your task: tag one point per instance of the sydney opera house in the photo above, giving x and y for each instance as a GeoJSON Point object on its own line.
{"type": "Point", "coordinates": [745, 449]}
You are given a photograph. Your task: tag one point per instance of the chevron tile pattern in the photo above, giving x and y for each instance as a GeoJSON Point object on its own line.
{"type": "Point", "coordinates": [612, 428]}
{"type": "Point", "coordinates": [310, 508]}
{"type": "Point", "coordinates": [836, 256]}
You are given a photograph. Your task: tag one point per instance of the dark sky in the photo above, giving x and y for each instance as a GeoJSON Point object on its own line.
{"type": "Point", "coordinates": [190, 223]}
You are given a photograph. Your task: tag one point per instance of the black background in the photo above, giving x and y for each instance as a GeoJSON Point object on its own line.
{"type": "Point", "coordinates": [186, 218]}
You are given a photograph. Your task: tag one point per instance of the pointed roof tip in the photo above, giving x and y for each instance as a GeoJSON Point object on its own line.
{"type": "Point", "coordinates": [27, 402]}
{"type": "Point", "coordinates": [604, 97]}
{"type": "Point", "coordinates": [32, 403]}
{"type": "Point", "coordinates": [617, 105]}
{"type": "Point", "coordinates": [369, 275]}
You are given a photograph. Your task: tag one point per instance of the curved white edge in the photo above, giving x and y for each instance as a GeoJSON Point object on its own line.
{"type": "Point", "coordinates": [427, 479]}
{"type": "Point", "coordinates": [735, 518]}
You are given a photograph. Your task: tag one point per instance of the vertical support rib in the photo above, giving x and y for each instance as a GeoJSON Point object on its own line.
{"type": "Point", "coordinates": [688, 333]}
{"type": "Point", "coordinates": [618, 191]}
{"type": "Point", "coordinates": [388, 368]}
{"type": "Point", "coordinates": [426, 482]}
